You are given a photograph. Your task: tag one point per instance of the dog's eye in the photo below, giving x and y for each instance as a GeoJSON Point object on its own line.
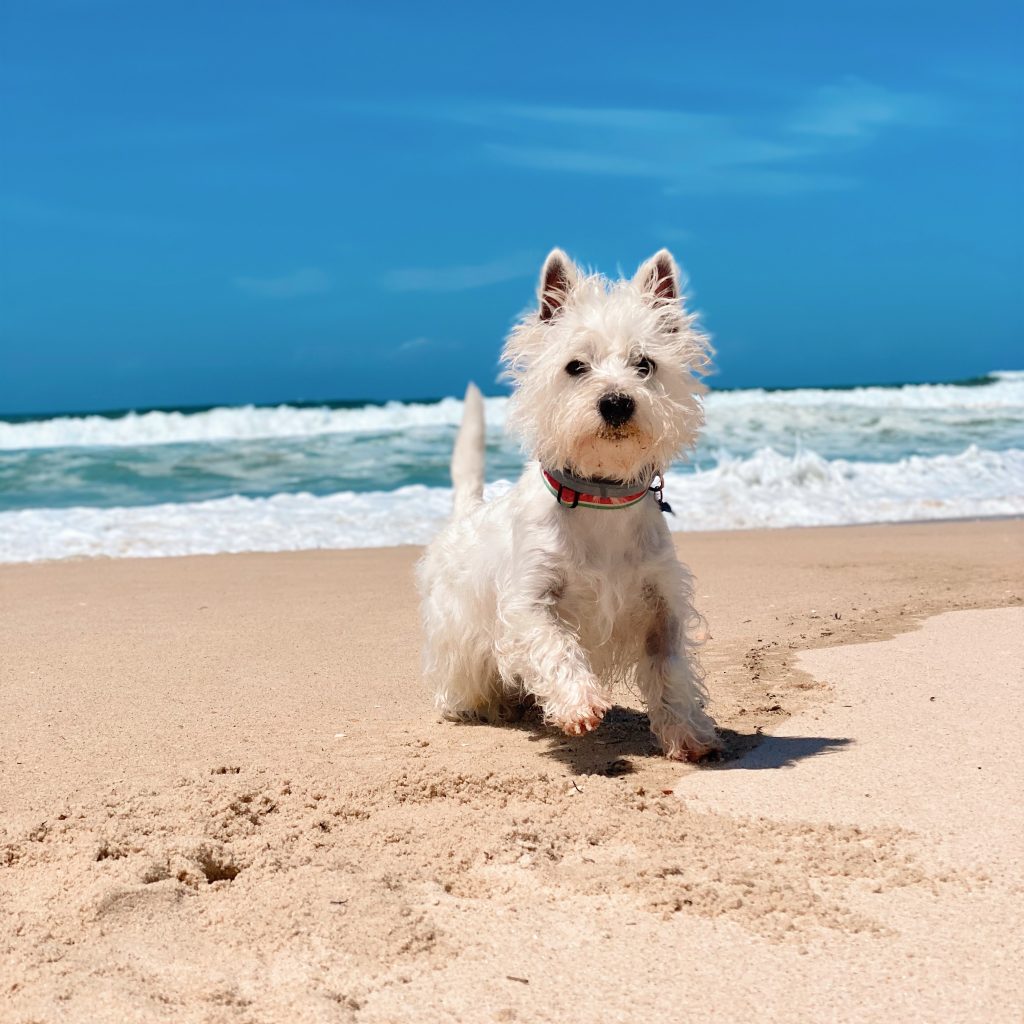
{"type": "Point", "coordinates": [575, 368]}
{"type": "Point", "coordinates": [645, 367]}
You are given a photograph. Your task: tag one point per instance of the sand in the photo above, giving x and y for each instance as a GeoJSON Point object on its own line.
{"type": "Point", "coordinates": [225, 798]}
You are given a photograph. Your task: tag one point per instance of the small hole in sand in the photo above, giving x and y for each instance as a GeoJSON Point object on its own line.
{"type": "Point", "coordinates": [217, 869]}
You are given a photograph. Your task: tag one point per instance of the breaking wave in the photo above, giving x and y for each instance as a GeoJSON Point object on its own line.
{"type": "Point", "coordinates": [766, 489]}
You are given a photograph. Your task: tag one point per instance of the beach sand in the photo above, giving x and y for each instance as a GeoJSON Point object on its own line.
{"type": "Point", "coordinates": [225, 797]}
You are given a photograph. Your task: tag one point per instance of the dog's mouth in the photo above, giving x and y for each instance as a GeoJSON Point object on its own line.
{"type": "Point", "coordinates": [624, 433]}
{"type": "Point", "coordinates": [613, 455]}
{"type": "Point", "coordinates": [628, 433]}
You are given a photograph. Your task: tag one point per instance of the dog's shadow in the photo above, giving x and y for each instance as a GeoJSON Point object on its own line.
{"type": "Point", "coordinates": [624, 737]}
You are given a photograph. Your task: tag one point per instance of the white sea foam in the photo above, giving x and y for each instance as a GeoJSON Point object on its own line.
{"type": "Point", "coordinates": [729, 412]}
{"type": "Point", "coordinates": [235, 423]}
{"type": "Point", "coordinates": [1005, 390]}
{"type": "Point", "coordinates": [774, 490]}
{"type": "Point", "coordinates": [766, 490]}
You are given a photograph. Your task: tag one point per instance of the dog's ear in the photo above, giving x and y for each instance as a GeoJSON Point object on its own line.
{"type": "Point", "coordinates": [658, 277]}
{"type": "Point", "coordinates": [557, 279]}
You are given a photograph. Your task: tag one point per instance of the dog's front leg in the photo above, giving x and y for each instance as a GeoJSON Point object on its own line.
{"type": "Point", "coordinates": [544, 655]}
{"type": "Point", "coordinates": [670, 681]}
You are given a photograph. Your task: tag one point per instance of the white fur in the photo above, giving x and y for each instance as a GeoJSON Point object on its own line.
{"type": "Point", "coordinates": [523, 597]}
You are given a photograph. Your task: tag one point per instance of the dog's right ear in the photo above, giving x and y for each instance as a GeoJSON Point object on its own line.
{"type": "Point", "coordinates": [658, 277]}
{"type": "Point", "coordinates": [557, 279]}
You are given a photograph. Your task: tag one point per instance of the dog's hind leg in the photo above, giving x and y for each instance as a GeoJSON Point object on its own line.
{"type": "Point", "coordinates": [458, 664]}
{"type": "Point", "coordinates": [671, 682]}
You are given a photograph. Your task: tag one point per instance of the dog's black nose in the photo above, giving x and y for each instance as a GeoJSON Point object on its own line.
{"type": "Point", "coordinates": [616, 409]}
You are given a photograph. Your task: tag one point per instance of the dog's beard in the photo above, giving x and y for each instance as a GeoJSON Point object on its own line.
{"type": "Point", "coordinates": [619, 454]}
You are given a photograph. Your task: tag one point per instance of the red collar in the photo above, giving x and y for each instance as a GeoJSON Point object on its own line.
{"type": "Point", "coordinates": [571, 499]}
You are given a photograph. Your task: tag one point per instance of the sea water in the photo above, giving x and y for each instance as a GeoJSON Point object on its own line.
{"type": "Point", "coordinates": [347, 475]}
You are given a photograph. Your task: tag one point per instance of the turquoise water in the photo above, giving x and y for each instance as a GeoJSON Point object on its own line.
{"type": "Point", "coordinates": [355, 474]}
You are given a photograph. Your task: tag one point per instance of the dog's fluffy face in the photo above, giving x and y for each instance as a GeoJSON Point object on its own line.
{"type": "Point", "coordinates": [606, 372]}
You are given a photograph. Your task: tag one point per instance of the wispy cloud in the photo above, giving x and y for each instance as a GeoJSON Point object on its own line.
{"type": "Point", "coordinates": [422, 349]}
{"type": "Point", "coordinates": [305, 281]}
{"type": "Point", "coordinates": [696, 153]}
{"type": "Point", "coordinates": [460, 278]}
{"type": "Point", "coordinates": [796, 148]}
{"type": "Point", "coordinates": [411, 345]}
{"type": "Point", "coordinates": [855, 109]}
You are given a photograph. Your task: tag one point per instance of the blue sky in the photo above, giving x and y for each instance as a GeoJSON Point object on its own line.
{"type": "Point", "coordinates": [230, 202]}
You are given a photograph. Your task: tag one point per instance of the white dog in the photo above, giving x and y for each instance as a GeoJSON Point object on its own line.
{"type": "Point", "coordinates": [570, 582]}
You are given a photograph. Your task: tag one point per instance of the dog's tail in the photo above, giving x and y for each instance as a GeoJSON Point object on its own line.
{"type": "Point", "coordinates": [468, 456]}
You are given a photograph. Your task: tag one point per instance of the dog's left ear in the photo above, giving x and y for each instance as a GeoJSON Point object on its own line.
{"type": "Point", "coordinates": [658, 277]}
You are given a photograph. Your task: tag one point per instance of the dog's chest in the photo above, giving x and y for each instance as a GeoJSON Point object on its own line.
{"type": "Point", "coordinates": [606, 577]}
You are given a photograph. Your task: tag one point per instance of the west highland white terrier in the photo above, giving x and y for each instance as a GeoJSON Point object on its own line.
{"type": "Point", "coordinates": [570, 583]}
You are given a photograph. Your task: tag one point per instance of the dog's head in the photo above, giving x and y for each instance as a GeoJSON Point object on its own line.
{"type": "Point", "coordinates": [606, 373]}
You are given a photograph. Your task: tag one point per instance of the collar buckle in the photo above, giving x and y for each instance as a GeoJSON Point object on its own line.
{"type": "Point", "coordinates": [657, 488]}
{"type": "Point", "coordinates": [562, 488]}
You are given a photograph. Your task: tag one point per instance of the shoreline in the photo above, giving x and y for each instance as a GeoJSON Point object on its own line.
{"type": "Point", "coordinates": [745, 530]}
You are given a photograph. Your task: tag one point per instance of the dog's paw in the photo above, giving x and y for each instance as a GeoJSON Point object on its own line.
{"type": "Point", "coordinates": [582, 721]}
{"type": "Point", "coordinates": [694, 753]}
{"type": "Point", "coordinates": [581, 726]}
{"type": "Point", "coordinates": [681, 744]}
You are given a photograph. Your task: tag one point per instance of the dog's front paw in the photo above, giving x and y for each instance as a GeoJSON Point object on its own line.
{"type": "Point", "coordinates": [580, 721]}
{"type": "Point", "coordinates": [581, 726]}
{"type": "Point", "coordinates": [681, 742]}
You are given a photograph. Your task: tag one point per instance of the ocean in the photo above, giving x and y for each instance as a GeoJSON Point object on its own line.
{"type": "Point", "coordinates": [290, 477]}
